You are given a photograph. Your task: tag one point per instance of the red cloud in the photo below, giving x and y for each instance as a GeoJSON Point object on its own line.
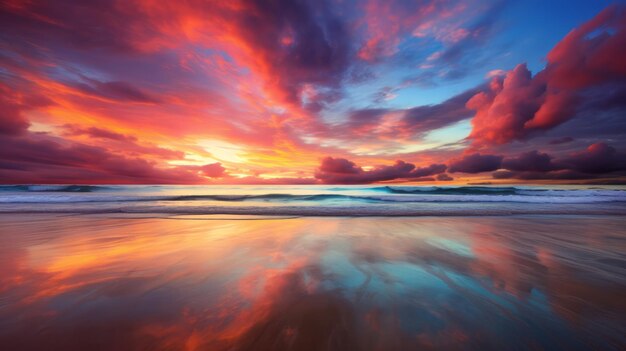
{"type": "Point", "coordinates": [592, 54]}
{"type": "Point", "coordinates": [342, 171]}
{"type": "Point", "coordinates": [519, 104]}
{"type": "Point", "coordinates": [516, 105]}
{"type": "Point", "coordinates": [12, 122]}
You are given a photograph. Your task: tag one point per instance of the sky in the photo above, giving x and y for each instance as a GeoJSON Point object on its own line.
{"type": "Point", "coordinates": [312, 92]}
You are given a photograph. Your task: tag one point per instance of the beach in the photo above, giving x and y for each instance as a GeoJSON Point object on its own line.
{"type": "Point", "coordinates": [172, 281]}
{"type": "Point", "coordinates": [313, 175]}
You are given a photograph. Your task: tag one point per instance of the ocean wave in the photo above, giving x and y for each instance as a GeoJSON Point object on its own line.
{"type": "Point", "coordinates": [587, 197]}
{"type": "Point", "coordinates": [501, 191]}
{"type": "Point", "coordinates": [464, 190]}
{"type": "Point", "coordinates": [314, 197]}
{"type": "Point", "coordinates": [503, 198]}
{"type": "Point", "coordinates": [53, 188]}
{"type": "Point", "coordinates": [54, 198]}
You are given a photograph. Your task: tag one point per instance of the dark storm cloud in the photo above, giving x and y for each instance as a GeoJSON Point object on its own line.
{"type": "Point", "coordinates": [475, 163]}
{"type": "Point", "coordinates": [342, 171]}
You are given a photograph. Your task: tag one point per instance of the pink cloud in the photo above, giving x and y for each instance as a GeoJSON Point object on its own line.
{"type": "Point", "coordinates": [592, 54]}
{"type": "Point", "coordinates": [516, 105]}
{"type": "Point", "coordinates": [519, 105]}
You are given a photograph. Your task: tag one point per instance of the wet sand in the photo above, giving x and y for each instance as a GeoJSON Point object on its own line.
{"type": "Point", "coordinates": [221, 282]}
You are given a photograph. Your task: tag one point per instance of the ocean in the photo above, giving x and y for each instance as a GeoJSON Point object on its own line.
{"type": "Point", "coordinates": [314, 200]}
{"type": "Point", "coordinates": [312, 268]}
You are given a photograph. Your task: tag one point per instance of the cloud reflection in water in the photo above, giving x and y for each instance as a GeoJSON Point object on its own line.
{"type": "Point", "coordinates": [205, 283]}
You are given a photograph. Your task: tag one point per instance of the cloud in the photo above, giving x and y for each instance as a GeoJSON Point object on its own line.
{"type": "Point", "coordinates": [596, 160]}
{"type": "Point", "coordinates": [410, 121]}
{"type": "Point", "coordinates": [11, 120]}
{"type": "Point", "coordinates": [385, 23]}
{"type": "Point", "coordinates": [562, 140]}
{"type": "Point", "coordinates": [293, 43]}
{"type": "Point", "coordinates": [430, 117]}
{"type": "Point", "coordinates": [529, 161]}
{"type": "Point", "coordinates": [130, 80]}
{"type": "Point", "coordinates": [475, 163]}
{"type": "Point", "coordinates": [126, 144]}
{"type": "Point", "coordinates": [366, 119]}
{"type": "Point", "coordinates": [515, 106]}
{"type": "Point", "coordinates": [456, 26]}
{"type": "Point", "coordinates": [519, 105]}
{"type": "Point", "coordinates": [564, 174]}
{"type": "Point", "coordinates": [469, 38]}
{"type": "Point", "coordinates": [339, 166]}
{"type": "Point", "coordinates": [444, 177]}
{"type": "Point", "coordinates": [34, 158]}
{"type": "Point", "coordinates": [209, 59]}
{"type": "Point", "coordinates": [273, 181]}
{"type": "Point", "coordinates": [115, 90]}
{"type": "Point", "coordinates": [213, 170]}
{"type": "Point", "coordinates": [495, 73]}
{"type": "Point", "coordinates": [14, 102]}
{"type": "Point", "coordinates": [101, 25]}
{"type": "Point", "coordinates": [592, 54]}
{"type": "Point", "coordinates": [342, 171]}
{"type": "Point", "coordinates": [96, 132]}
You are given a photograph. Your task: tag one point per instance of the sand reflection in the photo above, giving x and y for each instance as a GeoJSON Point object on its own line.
{"type": "Point", "coordinates": [205, 283]}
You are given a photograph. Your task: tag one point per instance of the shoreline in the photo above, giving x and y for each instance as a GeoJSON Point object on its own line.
{"type": "Point", "coordinates": [330, 211]}
{"type": "Point", "coordinates": [227, 281]}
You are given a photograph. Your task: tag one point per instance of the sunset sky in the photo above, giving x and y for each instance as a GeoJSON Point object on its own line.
{"type": "Point", "coordinates": [306, 92]}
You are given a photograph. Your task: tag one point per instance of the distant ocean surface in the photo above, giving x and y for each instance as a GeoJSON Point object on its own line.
{"type": "Point", "coordinates": [314, 200]}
